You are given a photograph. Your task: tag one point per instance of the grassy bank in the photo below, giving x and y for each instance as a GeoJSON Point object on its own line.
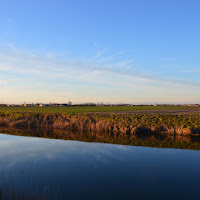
{"type": "Point", "coordinates": [150, 140]}
{"type": "Point", "coordinates": [122, 124]}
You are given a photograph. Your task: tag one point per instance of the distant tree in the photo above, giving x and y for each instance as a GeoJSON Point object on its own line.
{"type": "Point", "coordinates": [69, 103]}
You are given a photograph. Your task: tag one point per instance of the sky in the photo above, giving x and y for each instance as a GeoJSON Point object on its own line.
{"type": "Point", "coordinates": [110, 51]}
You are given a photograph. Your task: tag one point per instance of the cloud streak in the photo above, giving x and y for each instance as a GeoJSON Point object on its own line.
{"type": "Point", "coordinates": [30, 72]}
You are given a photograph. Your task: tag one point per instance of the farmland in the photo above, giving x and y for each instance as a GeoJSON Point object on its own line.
{"type": "Point", "coordinates": [84, 109]}
{"type": "Point", "coordinates": [121, 120]}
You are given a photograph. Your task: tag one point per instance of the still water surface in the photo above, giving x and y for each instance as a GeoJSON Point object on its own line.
{"type": "Point", "coordinates": [64, 169]}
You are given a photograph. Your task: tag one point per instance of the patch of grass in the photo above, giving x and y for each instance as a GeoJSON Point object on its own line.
{"type": "Point", "coordinates": [129, 120]}
{"type": "Point", "coordinates": [83, 109]}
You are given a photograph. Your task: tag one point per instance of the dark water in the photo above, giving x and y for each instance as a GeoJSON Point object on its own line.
{"type": "Point", "coordinates": [61, 169]}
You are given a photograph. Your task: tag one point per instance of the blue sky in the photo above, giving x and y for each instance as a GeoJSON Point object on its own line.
{"type": "Point", "coordinates": [133, 51]}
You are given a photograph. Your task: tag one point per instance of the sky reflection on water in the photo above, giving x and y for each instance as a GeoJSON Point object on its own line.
{"type": "Point", "coordinates": [80, 170]}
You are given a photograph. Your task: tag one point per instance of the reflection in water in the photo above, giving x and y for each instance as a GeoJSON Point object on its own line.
{"type": "Point", "coordinates": [59, 169]}
{"type": "Point", "coordinates": [148, 140]}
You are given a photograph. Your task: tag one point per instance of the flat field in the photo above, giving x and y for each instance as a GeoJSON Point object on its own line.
{"type": "Point", "coordinates": [110, 109]}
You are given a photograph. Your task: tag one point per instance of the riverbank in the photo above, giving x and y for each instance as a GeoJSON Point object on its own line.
{"type": "Point", "coordinates": [113, 123]}
{"type": "Point", "coordinates": [150, 140]}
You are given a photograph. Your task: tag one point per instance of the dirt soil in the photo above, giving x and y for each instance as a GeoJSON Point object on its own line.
{"type": "Point", "coordinates": [162, 111]}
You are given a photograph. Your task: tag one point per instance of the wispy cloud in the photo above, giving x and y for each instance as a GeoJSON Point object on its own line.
{"type": "Point", "coordinates": [47, 74]}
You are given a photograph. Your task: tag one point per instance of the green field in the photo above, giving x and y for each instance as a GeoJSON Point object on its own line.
{"type": "Point", "coordinates": [82, 109]}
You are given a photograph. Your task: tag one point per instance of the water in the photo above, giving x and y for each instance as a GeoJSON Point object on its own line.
{"type": "Point", "coordinates": [61, 169]}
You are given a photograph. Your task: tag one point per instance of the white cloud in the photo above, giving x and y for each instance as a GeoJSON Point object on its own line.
{"type": "Point", "coordinates": [47, 78]}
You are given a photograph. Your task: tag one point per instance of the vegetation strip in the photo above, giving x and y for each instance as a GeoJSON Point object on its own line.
{"type": "Point", "coordinates": [150, 140]}
{"type": "Point", "coordinates": [83, 109]}
{"type": "Point", "coordinates": [113, 123]}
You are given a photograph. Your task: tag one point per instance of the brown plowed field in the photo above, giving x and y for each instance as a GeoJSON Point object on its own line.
{"type": "Point", "coordinates": [162, 111]}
